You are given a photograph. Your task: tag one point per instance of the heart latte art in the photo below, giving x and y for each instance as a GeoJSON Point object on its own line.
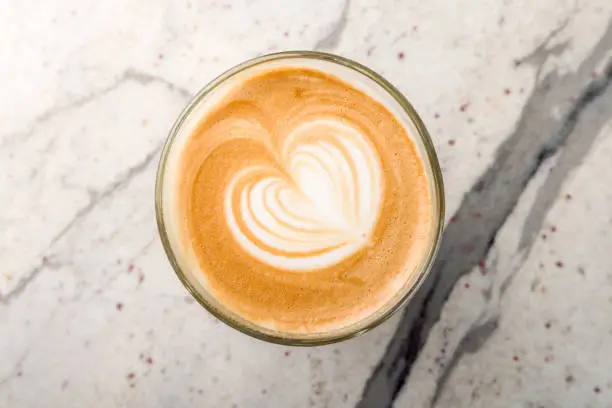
{"type": "Point", "coordinates": [319, 208]}
{"type": "Point", "coordinates": [303, 201]}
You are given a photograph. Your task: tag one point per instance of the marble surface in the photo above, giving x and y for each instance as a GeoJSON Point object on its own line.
{"type": "Point", "coordinates": [517, 311]}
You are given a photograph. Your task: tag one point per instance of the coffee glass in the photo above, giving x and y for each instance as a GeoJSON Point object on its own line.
{"type": "Point", "coordinates": [371, 84]}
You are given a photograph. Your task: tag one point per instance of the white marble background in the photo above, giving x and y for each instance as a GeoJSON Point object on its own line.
{"type": "Point", "coordinates": [91, 313]}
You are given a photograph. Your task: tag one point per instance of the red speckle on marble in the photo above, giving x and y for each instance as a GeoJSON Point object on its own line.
{"type": "Point", "coordinates": [160, 57]}
{"type": "Point", "coordinates": [400, 56]}
{"type": "Point", "coordinates": [286, 34]}
{"type": "Point", "coordinates": [119, 306]}
{"type": "Point", "coordinates": [467, 285]}
{"type": "Point", "coordinates": [572, 99]}
{"type": "Point", "coordinates": [477, 215]}
{"type": "Point", "coordinates": [130, 376]}
{"type": "Point", "coordinates": [141, 278]}
{"type": "Point", "coordinates": [507, 91]}
{"type": "Point", "coordinates": [553, 229]}
{"type": "Point", "coordinates": [453, 218]}
{"type": "Point", "coordinates": [131, 268]}
{"type": "Point", "coordinates": [597, 389]}
{"type": "Point", "coordinates": [464, 107]}
{"type": "Point", "coordinates": [287, 353]}
{"type": "Point", "coordinates": [594, 74]}
{"type": "Point", "coordinates": [451, 142]}
{"type": "Point", "coordinates": [149, 360]}
{"type": "Point", "coordinates": [437, 115]}
{"type": "Point", "coordinates": [481, 263]}
{"type": "Point", "coordinates": [559, 264]}
{"type": "Point", "coordinates": [370, 50]}
{"type": "Point", "coordinates": [516, 359]}
{"type": "Point", "coordinates": [415, 28]}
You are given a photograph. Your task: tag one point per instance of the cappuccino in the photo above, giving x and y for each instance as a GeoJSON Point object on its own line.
{"type": "Point", "coordinates": [299, 202]}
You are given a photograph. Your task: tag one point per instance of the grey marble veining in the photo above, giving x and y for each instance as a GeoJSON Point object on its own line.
{"type": "Point", "coordinates": [471, 235]}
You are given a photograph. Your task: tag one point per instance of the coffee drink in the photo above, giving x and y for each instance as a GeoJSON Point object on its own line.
{"type": "Point", "coordinates": [301, 201]}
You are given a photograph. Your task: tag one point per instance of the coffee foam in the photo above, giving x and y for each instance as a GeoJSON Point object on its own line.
{"type": "Point", "coordinates": [297, 201]}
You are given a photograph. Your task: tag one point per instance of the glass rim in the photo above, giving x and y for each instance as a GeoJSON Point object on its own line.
{"type": "Point", "coordinates": [431, 159]}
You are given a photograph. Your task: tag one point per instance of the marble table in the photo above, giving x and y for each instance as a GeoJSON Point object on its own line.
{"type": "Point", "coordinates": [518, 309]}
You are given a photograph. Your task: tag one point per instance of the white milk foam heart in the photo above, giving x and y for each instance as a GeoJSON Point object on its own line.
{"type": "Point", "coordinates": [322, 209]}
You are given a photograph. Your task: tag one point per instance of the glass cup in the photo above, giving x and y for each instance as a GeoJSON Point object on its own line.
{"type": "Point", "coordinates": [362, 78]}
